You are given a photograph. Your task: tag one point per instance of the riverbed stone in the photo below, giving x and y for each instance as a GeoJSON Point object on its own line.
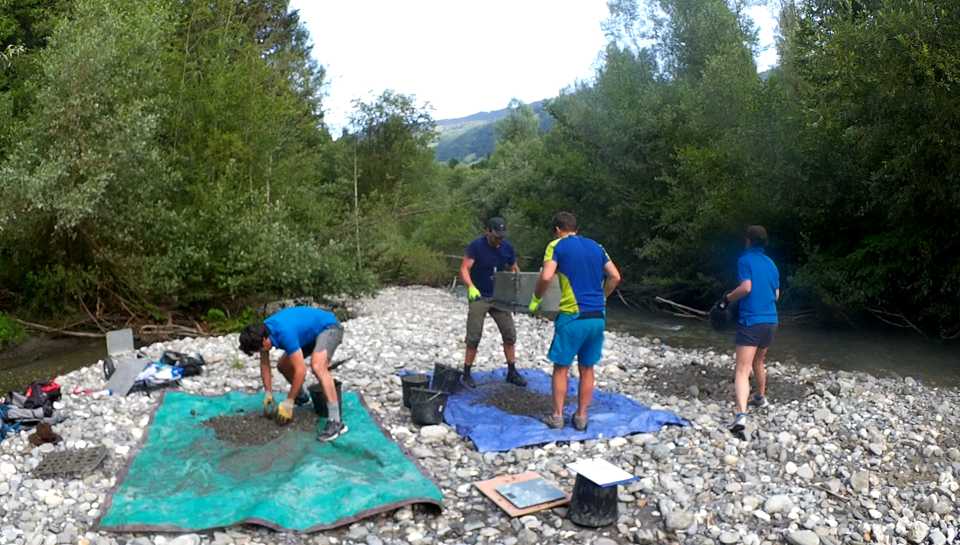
{"type": "Point", "coordinates": [803, 537]}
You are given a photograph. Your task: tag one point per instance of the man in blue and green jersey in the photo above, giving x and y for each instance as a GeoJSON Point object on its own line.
{"type": "Point", "coordinates": [587, 278]}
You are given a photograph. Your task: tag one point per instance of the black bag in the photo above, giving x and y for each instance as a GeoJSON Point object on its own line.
{"type": "Point", "coordinates": [723, 316]}
{"type": "Point", "coordinates": [192, 364]}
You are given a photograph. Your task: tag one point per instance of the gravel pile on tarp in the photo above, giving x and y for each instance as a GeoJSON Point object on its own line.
{"type": "Point", "coordinates": [256, 429]}
{"type": "Point", "coordinates": [515, 400]}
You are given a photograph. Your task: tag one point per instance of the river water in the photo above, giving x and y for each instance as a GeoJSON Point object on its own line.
{"type": "Point", "coordinates": [881, 353]}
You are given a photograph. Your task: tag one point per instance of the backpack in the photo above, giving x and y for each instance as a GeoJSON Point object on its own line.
{"type": "Point", "coordinates": [189, 364]}
{"type": "Point", "coordinates": [41, 394]}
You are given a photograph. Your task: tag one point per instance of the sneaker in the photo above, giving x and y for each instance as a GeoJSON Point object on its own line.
{"type": "Point", "coordinates": [580, 422]}
{"type": "Point", "coordinates": [553, 421]}
{"type": "Point", "coordinates": [467, 381]}
{"type": "Point", "coordinates": [758, 402]}
{"type": "Point", "coordinates": [739, 425]}
{"type": "Point", "coordinates": [333, 430]}
{"type": "Point", "coordinates": [514, 377]}
{"type": "Point", "coordinates": [301, 399]}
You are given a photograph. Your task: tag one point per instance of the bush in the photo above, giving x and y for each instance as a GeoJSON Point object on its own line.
{"type": "Point", "coordinates": [11, 333]}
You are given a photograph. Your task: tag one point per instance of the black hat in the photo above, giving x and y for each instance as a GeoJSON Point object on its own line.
{"type": "Point", "coordinates": [497, 226]}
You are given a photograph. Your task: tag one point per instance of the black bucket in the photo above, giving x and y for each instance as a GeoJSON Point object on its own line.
{"type": "Point", "coordinates": [412, 381]}
{"type": "Point", "coordinates": [446, 379]}
{"type": "Point", "coordinates": [320, 400]}
{"type": "Point", "coordinates": [592, 505]}
{"type": "Point", "coordinates": [426, 406]}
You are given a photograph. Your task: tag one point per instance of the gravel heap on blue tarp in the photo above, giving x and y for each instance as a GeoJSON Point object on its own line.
{"type": "Point", "coordinates": [486, 414]}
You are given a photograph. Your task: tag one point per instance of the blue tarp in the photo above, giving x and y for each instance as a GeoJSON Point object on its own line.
{"type": "Point", "coordinates": [491, 429]}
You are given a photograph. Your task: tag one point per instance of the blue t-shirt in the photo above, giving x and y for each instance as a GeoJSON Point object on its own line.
{"type": "Point", "coordinates": [295, 327]}
{"type": "Point", "coordinates": [760, 306]}
{"type": "Point", "coordinates": [488, 260]}
{"type": "Point", "coordinates": [580, 263]}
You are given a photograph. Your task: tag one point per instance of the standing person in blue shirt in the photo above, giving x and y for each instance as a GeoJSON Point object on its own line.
{"type": "Point", "coordinates": [758, 293]}
{"type": "Point", "coordinates": [587, 278]}
{"type": "Point", "coordinates": [300, 332]}
{"type": "Point", "coordinates": [483, 257]}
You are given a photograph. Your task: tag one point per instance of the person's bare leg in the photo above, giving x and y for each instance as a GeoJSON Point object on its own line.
{"type": "Point", "coordinates": [469, 356]}
{"type": "Point", "coordinates": [510, 352]}
{"type": "Point", "coordinates": [745, 356]}
{"type": "Point", "coordinates": [760, 371]}
{"type": "Point", "coordinates": [559, 389]}
{"type": "Point", "coordinates": [319, 364]}
{"type": "Point", "coordinates": [585, 394]}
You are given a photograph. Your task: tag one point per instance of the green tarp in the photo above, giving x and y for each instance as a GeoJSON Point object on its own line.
{"type": "Point", "coordinates": [185, 479]}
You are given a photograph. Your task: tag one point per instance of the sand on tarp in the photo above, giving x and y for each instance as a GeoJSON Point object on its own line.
{"type": "Point", "coordinates": [253, 428]}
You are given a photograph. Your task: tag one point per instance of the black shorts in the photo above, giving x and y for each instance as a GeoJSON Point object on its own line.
{"type": "Point", "coordinates": [759, 335]}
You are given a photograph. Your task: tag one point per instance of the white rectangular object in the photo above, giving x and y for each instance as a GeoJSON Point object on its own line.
{"type": "Point", "coordinates": [601, 472]}
{"type": "Point", "coordinates": [119, 341]}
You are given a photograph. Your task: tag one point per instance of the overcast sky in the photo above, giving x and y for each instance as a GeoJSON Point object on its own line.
{"type": "Point", "coordinates": [462, 57]}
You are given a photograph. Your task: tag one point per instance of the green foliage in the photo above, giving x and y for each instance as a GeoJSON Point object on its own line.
{"type": "Point", "coordinates": [175, 154]}
{"type": "Point", "coordinates": [847, 153]}
{"type": "Point", "coordinates": [11, 333]}
{"type": "Point", "coordinates": [221, 322]}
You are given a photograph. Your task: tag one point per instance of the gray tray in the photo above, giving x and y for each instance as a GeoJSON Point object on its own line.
{"type": "Point", "coordinates": [69, 462]}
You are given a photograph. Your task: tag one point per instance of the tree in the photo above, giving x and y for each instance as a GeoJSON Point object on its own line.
{"type": "Point", "coordinates": [393, 138]}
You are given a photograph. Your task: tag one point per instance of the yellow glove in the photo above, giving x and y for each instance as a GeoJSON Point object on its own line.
{"type": "Point", "coordinates": [285, 412]}
{"type": "Point", "coordinates": [534, 304]}
{"type": "Point", "coordinates": [269, 406]}
{"type": "Point", "coordinates": [473, 293]}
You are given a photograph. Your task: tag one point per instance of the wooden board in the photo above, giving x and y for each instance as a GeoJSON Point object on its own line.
{"type": "Point", "coordinates": [489, 489]}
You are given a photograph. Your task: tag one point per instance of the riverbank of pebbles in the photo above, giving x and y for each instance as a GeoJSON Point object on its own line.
{"type": "Point", "coordinates": [837, 457]}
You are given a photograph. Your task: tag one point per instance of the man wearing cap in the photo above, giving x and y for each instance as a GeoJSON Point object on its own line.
{"type": "Point", "coordinates": [483, 257]}
{"type": "Point", "coordinates": [587, 278]}
{"type": "Point", "coordinates": [300, 332]}
{"type": "Point", "coordinates": [758, 293]}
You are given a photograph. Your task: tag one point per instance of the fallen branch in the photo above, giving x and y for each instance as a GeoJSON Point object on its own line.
{"type": "Point", "coordinates": [692, 312]}
{"type": "Point", "coordinates": [905, 323]}
{"type": "Point", "coordinates": [92, 317]}
{"type": "Point", "coordinates": [623, 300]}
{"type": "Point", "coordinates": [831, 492]}
{"type": "Point", "coordinates": [170, 330]}
{"type": "Point", "coordinates": [48, 329]}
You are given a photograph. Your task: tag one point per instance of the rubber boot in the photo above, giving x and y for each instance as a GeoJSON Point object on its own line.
{"type": "Point", "coordinates": [467, 379]}
{"type": "Point", "coordinates": [514, 377]}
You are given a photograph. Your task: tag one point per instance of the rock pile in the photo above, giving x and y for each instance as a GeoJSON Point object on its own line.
{"type": "Point", "coordinates": [838, 458]}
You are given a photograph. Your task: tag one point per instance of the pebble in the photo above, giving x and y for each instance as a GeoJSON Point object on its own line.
{"type": "Point", "coordinates": [777, 504]}
{"type": "Point", "coordinates": [678, 520]}
{"type": "Point", "coordinates": [803, 537]}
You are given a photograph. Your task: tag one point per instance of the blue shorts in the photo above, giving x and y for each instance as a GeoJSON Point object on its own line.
{"type": "Point", "coordinates": [582, 338]}
{"type": "Point", "coordinates": [759, 335]}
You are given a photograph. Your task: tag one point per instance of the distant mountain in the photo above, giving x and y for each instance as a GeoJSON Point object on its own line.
{"type": "Point", "coordinates": [471, 138]}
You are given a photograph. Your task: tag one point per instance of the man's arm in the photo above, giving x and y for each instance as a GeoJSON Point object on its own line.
{"type": "Point", "coordinates": [546, 276]}
{"type": "Point", "coordinates": [465, 265]}
{"type": "Point", "coordinates": [612, 280]}
{"type": "Point", "coordinates": [742, 291]}
{"type": "Point", "coordinates": [265, 371]}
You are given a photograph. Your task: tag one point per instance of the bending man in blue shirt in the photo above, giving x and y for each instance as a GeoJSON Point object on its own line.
{"type": "Point", "coordinates": [481, 260]}
{"type": "Point", "coordinates": [758, 293]}
{"type": "Point", "coordinates": [300, 332]}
